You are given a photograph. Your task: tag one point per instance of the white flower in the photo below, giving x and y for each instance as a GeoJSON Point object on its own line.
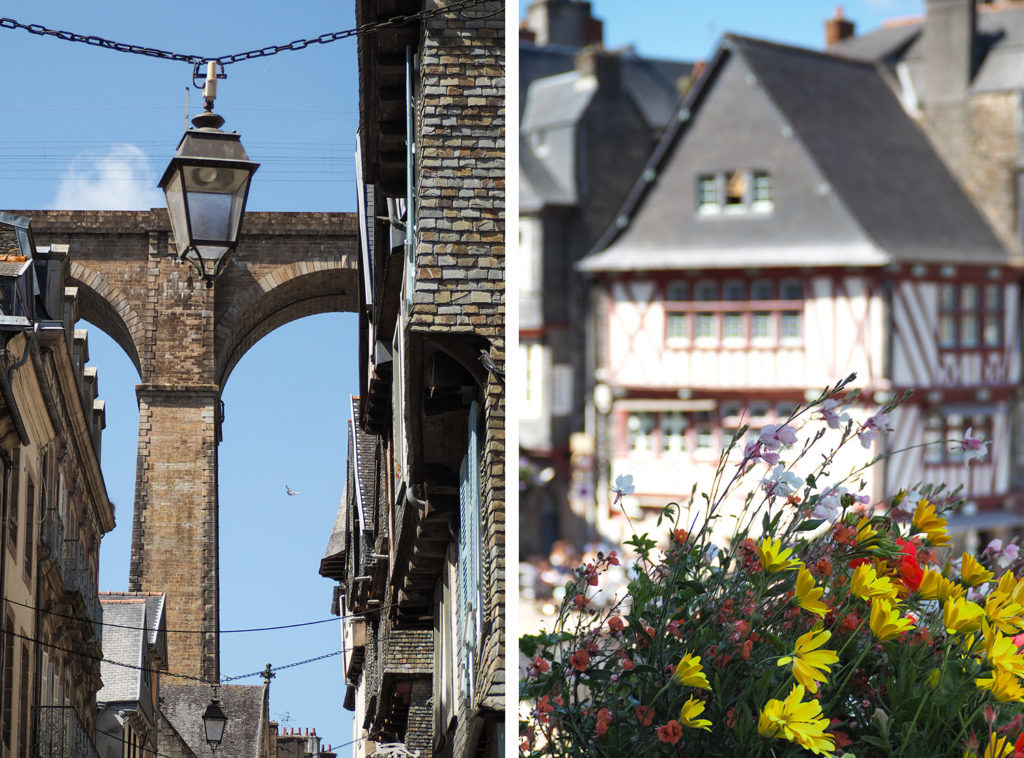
{"type": "Point", "coordinates": [829, 505]}
{"type": "Point", "coordinates": [623, 485]}
{"type": "Point", "coordinates": [782, 483]}
{"type": "Point", "coordinates": [972, 446]}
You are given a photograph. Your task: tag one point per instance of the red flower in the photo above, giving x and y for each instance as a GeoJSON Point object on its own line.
{"type": "Point", "coordinates": [541, 665]}
{"type": "Point", "coordinates": [580, 660]}
{"type": "Point", "coordinates": [671, 733]}
{"type": "Point", "coordinates": [613, 559]}
{"type": "Point", "coordinates": [645, 714]}
{"type": "Point", "coordinates": [679, 536]}
{"type": "Point", "coordinates": [544, 707]}
{"type": "Point", "coordinates": [604, 718]}
{"type": "Point", "coordinates": [616, 624]}
{"type": "Point", "coordinates": [909, 568]}
{"type": "Point", "coordinates": [581, 600]}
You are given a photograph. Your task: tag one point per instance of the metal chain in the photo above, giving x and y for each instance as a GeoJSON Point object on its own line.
{"type": "Point", "coordinates": [263, 52]}
{"type": "Point", "coordinates": [263, 672]}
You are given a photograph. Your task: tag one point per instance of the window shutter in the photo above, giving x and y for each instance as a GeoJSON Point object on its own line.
{"type": "Point", "coordinates": [469, 554]}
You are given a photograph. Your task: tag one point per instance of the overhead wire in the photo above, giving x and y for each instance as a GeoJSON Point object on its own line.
{"type": "Point", "coordinates": [345, 617]}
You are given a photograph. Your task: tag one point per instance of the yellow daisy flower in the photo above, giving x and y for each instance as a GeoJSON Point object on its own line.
{"type": "Point", "coordinates": [1000, 651]}
{"type": "Point", "coordinates": [797, 721]}
{"type": "Point", "coordinates": [808, 594]}
{"type": "Point", "coordinates": [934, 586]}
{"type": "Point", "coordinates": [810, 665]}
{"type": "Point", "coordinates": [926, 520]}
{"type": "Point", "coordinates": [867, 535]}
{"type": "Point", "coordinates": [866, 584]}
{"type": "Point", "coordinates": [690, 672]}
{"type": "Point", "coordinates": [1005, 687]}
{"type": "Point", "coordinates": [886, 622]}
{"type": "Point", "coordinates": [999, 747]}
{"type": "Point", "coordinates": [774, 558]}
{"type": "Point", "coordinates": [1003, 613]}
{"type": "Point", "coordinates": [688, 715]}
{"type": "Point", "coordinates": [973, 573]}
{"type": "Point", "coordinates": [961, 615]}
{"type": "Point", "coordinates": [1012, 587]}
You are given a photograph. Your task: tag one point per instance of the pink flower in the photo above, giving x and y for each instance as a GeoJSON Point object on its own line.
{"type": "Point", "coordinates": [833, 419]}
{"type": "Point", "coordinates": [756, 450]}
{"type": "Point", "coordinates": [972, 446]}
{"type": "Point", "coordinates": [773, 437]}
{"type": "Point", "coordinates": [868, 433]}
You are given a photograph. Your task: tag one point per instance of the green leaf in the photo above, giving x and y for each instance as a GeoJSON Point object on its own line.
{"type": "Point", "coordinates": [806, 526]}
{"type": "Point", "coordinates": [811, 481]}
{"type": "Point", "coordinates": [528, 644]}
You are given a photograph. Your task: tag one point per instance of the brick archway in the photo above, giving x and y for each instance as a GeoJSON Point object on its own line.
{"type": "Point", "coordinates": [185, 339]}
{"type": "Point", "coordinates": [106, 306]}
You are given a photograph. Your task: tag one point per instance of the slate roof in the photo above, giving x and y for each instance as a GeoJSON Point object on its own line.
{"type": "Point", "coordinates": [554, 95]}
{"type": "Point", "coordinates": [124, 645]}
{"type": "Point", "coordinates": [332, 565]}
{"type": "Point", "coordinates": [183, 705]}
{"type": "Point", "coordinates": [155, 604]}
{"type": "Point", "coordinates": [1000, 47]}
{"type": "Point", "coordinates": [650, 79]}
{"type": "Point", "coordinates": [877, 162]}
{"type": "Point", "coordinates": [362, 447]}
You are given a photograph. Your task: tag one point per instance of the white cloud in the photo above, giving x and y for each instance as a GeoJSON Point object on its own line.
{"type": "Point", "coordinates": [120, 180]}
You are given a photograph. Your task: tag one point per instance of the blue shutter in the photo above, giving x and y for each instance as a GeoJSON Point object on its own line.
{"type": "Point", "coordinates": [469, 556]}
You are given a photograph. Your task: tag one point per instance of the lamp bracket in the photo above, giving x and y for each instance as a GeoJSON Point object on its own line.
{"type": "Point", "coordinates": [199, 78]}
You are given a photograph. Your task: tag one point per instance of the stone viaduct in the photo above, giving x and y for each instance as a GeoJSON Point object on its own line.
{"type": "Point", "coordinates": [185, 339]}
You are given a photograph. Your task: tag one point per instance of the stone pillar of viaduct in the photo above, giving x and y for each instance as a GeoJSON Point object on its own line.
{"type": "Point", "coordinates": [184, 339]}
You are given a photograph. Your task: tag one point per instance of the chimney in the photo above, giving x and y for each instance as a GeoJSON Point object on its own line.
{"type": "Point", "coordinates": [605, 66]}
{"type": "Point", "coordinates": [837, 28]}
{"type": "Point", "coordinates": [569, 23]}
{"type": "Point", "coordinates": [949, 27]}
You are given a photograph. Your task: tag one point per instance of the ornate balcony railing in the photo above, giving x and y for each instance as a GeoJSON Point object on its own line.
{"type": "Point", "coordinates": [57, 732]}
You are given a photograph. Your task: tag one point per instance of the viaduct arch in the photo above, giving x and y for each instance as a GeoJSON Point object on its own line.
{"type": "Point", "coordinates": [185, 339]}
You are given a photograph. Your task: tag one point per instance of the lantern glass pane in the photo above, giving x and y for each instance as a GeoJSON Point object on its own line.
{"type": "Point", "coordinates": [176, 210]}
{"type": "Point", "coordinates": [210, 214]}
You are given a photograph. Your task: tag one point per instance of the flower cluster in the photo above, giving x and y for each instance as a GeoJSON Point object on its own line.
{"type": "Point", "coordinates": [827, 625]}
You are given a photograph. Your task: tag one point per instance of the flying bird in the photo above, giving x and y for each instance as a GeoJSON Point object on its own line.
{"type": "Point", "coordinates": [290, 491]}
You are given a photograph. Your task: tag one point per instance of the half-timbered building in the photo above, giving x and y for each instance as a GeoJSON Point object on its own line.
{"type": "Point", "coordinates": [796, 225]}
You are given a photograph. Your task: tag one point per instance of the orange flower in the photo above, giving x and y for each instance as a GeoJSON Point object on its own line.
{"type": "Point", "coordinates": [541, 665]}
{"type": "Point", "coordinates": [679, 536]}
{"type": "Point", "coordinates": [544, 707]}
{"type": "Point", "coordinates": [604, 718]}
{"type": "Point", "coordinates": [616, 624]}
{"type": "Point", "coordinates": [671, 733]}
{"type": "Point", "coordinates": [580, 660]}
{"type": "Point", "coordinates": [644, 714]}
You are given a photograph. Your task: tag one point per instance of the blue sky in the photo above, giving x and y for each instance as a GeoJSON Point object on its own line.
{"type": "Point", "coordinates": [92, 128]}
{"type": "Point", "coordinates": [690, 30]}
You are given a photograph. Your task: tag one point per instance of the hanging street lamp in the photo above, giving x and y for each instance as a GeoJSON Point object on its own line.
{"type": "Point", "coordinates": [206, 185]}
{"type": "Point", "coordinates": [214, 722]}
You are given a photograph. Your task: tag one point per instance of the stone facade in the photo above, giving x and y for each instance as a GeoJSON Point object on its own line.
{"type": "Point", "coordinates": [55, 507]}
{"type": "Point", "coordinates": [185, 339]}
{"type": "Point", "coordinates": [418, 546]}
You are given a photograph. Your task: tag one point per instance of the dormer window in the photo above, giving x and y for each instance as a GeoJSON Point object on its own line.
{"type": "Point", "coordinates": [735, 191]}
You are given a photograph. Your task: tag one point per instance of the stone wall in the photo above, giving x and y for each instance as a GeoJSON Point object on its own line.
{"type": "Point", "coordinates": [184, 339]}
{"type": "Point", "coordinates": [460, 261]}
